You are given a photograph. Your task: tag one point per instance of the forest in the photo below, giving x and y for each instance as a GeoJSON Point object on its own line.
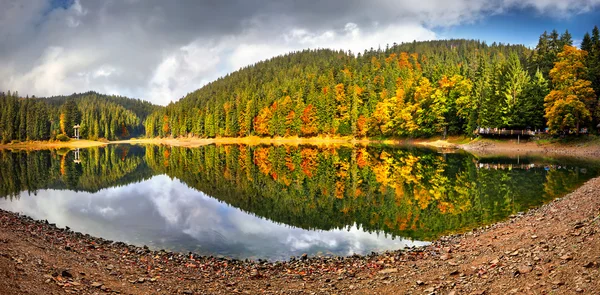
{"type": "Point", "coordinates": [408, 192]}
{"type": "Point", "coordinates": [416, 89]}
{"type": "Point", "coordinates": [100, 116]}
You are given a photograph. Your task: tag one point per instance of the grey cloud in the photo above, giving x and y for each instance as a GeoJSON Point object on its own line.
{"type": "Point", "coordinates": [160, 50]}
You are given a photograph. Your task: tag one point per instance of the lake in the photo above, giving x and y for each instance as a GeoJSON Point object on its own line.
{"type": "Point", "coordinates": [273, 202]}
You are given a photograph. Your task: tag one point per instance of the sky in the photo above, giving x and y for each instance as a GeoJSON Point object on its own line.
{"type": "Point", "coordinates": [161, 50]}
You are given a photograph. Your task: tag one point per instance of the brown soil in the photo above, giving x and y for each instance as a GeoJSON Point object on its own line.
{"type": "Point", "coordinates": [551, 250]}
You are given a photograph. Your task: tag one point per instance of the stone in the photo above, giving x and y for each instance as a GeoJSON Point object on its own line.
{"type": "Point", "coordinates": [566, 257]}
{"type": "Point", "coordinates": [589, 264]}
{"type": "Point", "coordinates": [66, 274]}
{"type": "Point", "coordinates": [96, 284]}
{"type": "Point", "coordinates": [420, 283]}
{"type": "Point", "coordinates": [388, 270]}
{"type": "Point", "coordinates": [523, 269]}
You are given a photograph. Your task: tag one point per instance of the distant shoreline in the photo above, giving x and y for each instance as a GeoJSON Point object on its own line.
{"type": "Point", "coordinates": [43, 145]}
{"type": "Point", "coordinates": [479, 147]}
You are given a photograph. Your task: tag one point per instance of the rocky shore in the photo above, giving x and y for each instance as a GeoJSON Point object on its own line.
{"type": "Point", "coordinates": [513, 148]}
{"type": "Point", "coordinates": [552, 249]}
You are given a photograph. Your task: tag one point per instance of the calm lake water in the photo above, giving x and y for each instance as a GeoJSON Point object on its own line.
{"type": "Point", "coordinates": [273, 202]}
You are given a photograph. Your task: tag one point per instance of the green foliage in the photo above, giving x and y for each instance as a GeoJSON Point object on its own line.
{"type": "Point", "coordinates": [100, 116]}
{"type": "Point", "coordinates": [63, 137]}
{"type": "Point", "coordinates": [415, 89]}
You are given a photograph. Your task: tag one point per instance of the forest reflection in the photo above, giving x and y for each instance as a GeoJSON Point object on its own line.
{"type": "Point", "coordinates": [404, 192]}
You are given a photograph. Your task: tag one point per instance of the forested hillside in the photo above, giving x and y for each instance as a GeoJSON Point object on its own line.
{"type": "Point", "coordinates": [408, 90]}
{"type": "Point", "coordinates": [100, 116]}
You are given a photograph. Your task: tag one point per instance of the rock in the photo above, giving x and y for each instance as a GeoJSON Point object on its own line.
{"type": "Point", "coordinates": [66, 274]}
{"type": "Point", "coordinates": [304, 256]}
{"type": "Point", "coordinates": [525, 269]}
{"type": "Point", "coordinates": [495, 261]}
{"type": "Point", "coordinates": [445, 257]}
{"type": "Point", "coordinates": [110, 267]}
{"type": "Point", "coordinates": [96, 285]}
{"type": "Point", "coordinates": [566, 257]}
{"type": "Point", "coordinates": [141, 280]}
{"type": "Point", "coordinates": [420, 283]}
{"type": "Point", "coordinates": [388, 270]}
{"type": "Point", "coordinates": [103, 288]}
{"type": "Point", "coordinates": [429, 290]}
{"type": "Point", "coordinates": [589, 264]}
{"type": "Point", "coordinates": [558, 283]}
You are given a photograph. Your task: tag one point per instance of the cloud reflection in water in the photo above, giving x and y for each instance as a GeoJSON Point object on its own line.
{"type": "Point", "coordinates": [165, 213]}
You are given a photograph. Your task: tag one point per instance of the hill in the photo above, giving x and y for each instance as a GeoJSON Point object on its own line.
{"type": "Point", "coordinates": [413, 89]}
{"type": "Point", "coordinates": [100, 116]}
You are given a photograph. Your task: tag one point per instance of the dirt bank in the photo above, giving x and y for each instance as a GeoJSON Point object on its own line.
{"type": "Point", "coordinates": [512, 147]}
{"type": "Point", "coordinates": [553, 249]}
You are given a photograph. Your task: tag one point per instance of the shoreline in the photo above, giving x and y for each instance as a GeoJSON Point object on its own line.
{"type": "Point", "coordinates": [553, 248]}
{"type": "Point", "coordinates": [44, 145]}
{"type": "Point", "coordinates": [480, 147]}
{"type": "Point", "coordinates": [512, 148]}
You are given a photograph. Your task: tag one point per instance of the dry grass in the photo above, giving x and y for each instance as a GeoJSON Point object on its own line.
{"type": "Point", "coordinates": [42, 145]}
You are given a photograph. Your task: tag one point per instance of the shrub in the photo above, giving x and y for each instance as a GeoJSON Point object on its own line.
{"type": "Point", "coordinates": [62, 137]}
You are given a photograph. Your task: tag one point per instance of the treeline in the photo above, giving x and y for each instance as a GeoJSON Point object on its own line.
{"type": "Point", "coordinates": [407, 90]}
{"type": "Point", "coordinates": [95, 169]}
{"type": "Point", "coordinates": [100, 116]}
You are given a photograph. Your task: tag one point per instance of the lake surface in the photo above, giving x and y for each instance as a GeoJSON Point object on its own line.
{"type": "Point", "coordinates": [273, 202]}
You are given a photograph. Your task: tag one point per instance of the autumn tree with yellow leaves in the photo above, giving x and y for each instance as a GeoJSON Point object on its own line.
{"type": "Point", "coordinates": [570, 105]}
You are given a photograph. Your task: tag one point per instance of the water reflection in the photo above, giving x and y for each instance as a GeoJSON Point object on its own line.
{"type": "Point", "coordinates": [167, 214]}
{"type": "Point", "coordinates": [277, 201]}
